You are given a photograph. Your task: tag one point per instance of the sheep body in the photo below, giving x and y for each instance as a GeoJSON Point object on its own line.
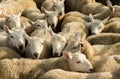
{"type": "Point", "coordinates": [60, 74]}
{"type": "Point", "coordinates": [102, 50]}
{"type": "Point", "coordinates": [8, 53]}
{"type": "Point", "coordinates": [32, 69]}
{"type": "Point", "coordinates": [106, 63]}
{"type": "Point", "coordinates": [104, 38]}
{"type": "Point", "coordinates": [16, 6]}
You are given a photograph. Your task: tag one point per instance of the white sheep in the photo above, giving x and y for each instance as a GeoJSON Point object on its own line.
{"type": "Point", "coordinates": [32, 69]}
{"type": "Point", "coordinates": [39, 42]}
{"type": "Point", "coordinates": [96, 26]}
{"type": "Point", "coordinates": [15, 6]}
{"type": "Point", "coordinates": [14, 39]}
{"type": "Point", "coordinates": [50, 16]}
{"type": "Point", "coordinates": [58, 41]}
{"type": "Point", "coordinates": [104, 38]}
{"type": "Point", "coordinates": [74, 43]}
{"type": "Point", "coordinates": [6, 52]}
{"type": "Point", "coordinates": [55, 5]}
{"type": "Point", "coordinates": [63, 74]}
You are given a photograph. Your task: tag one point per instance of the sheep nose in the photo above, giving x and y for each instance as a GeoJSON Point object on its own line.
{"type": "Point", "coordinates": [21, 47]}
{"type": "Point", "coordinates": [56, 54]}
{"type": "Point", "coordinates": [35, 55]}
{"type": "Point", "coordinates": [91, 70]}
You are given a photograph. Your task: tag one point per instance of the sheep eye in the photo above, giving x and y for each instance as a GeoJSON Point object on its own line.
{"type": "Point", "coordinates": [38, 25]}
{"type": "Point", "coordinates": [47, 16]}
{"type": "Point", "coordinates": [79, 62]}
{"type": "Point", "coordinates": [74, 47]}
{"type": "Point", "coordinates": [11, 36]}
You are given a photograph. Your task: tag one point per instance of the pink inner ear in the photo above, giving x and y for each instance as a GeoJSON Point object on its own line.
{"type": "Point", "coordinates": [67, 55]}
{"type": "Point", "coordinates": [6, 29]}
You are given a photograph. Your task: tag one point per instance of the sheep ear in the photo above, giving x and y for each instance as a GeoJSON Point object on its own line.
{"type": "Point", "coordinates": [23, 26]}
{"type": "Point", "coordinates": [109, 4]}
{"type": "Point", "coordinates": [51, 31]}
{"type": "Point", "coordinates": [67, 55]}
{"type": "Point", "coordinates": [43, 10]}
{"type": "Point", "coordinates": [105, 20]}
{"type": "Point", "coordinates": [77, 36]}
{"type": "Point", "coordinates": [91, 17]}
{"type": "Point", "coordinates": [31, 22]}
{"type": "Point", "coordinates": [6, 29]}
{"type": "Point", "coordinates": [27, 37]}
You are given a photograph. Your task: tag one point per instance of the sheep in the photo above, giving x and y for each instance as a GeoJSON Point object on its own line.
{"type": "Point", "coordinates": [15, 6]}
{"type": "Point", "coordinates": [102, 50]}
{"type": "Point", "coordinates": [73, 46]}
{"type": "Point", "coordinates": [96, 26]}
{"type": "Point", "coordinates": [104, 38]}
{"type": "Point", "coordinates": [14, 39]}
{"type": "Point", "coordinates": [50, 16]}
{"type": "Point", "coordinates": [55, 5]}
{"type": "Point", "coordinates": [63, 74]}
{"type": "Point", "coordinates": [98, 10]}
{"type": "Point", "coordinates": [114, 10]}
{"type": "Point", "coordinates": [13, 20]}
{"type": "Point", "coordinates": [58, 41]}
{"type": "Point", "coordinates": [32, 69]}
{"type": "Point", "coordinates": [112, 26]}
{"type": "Point", "coordinates": [38, 44]}
{"type": "Point", "coordinates": [6, 52]}
{"type": "Point", "coordinates": [76, 5]}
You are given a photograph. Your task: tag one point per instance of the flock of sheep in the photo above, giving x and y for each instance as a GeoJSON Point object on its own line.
{"type": "Point", "coordinates": [59, 39]}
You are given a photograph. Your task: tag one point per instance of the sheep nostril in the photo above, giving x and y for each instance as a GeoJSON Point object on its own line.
{"type": "Point", "coordinates": [60, 13]}
{"type": "Point", "coordinates": [21, 47]}
{"type": "Point", "coordinates": [56, 54]}
{"type": "Point", "coordinates": [91, 70]}
{"type": "Point", "coordinates": [35, 55]}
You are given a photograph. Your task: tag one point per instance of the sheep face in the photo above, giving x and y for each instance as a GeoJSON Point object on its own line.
{"type": "Point", "coordinates": [78, 62]}
{"type": "Point", "coordinates": [16, 38]}
{"type": "Point", "coordinates": [51, 16]}
{"type": "Point", "coordinates": [39, 24]}
{"type": "Point", "coordinates": [59, 7]}
{"type": "Point", "coordinates": [73, 44]}
{"type": "Point", "coordinates": [13, 20]}
{"type": "Point", "coordinates": [58, 44]}
{"type": "Point", "coordinates": [35, 46]}
{"type": "Point", "coordinates": [96, 27]}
